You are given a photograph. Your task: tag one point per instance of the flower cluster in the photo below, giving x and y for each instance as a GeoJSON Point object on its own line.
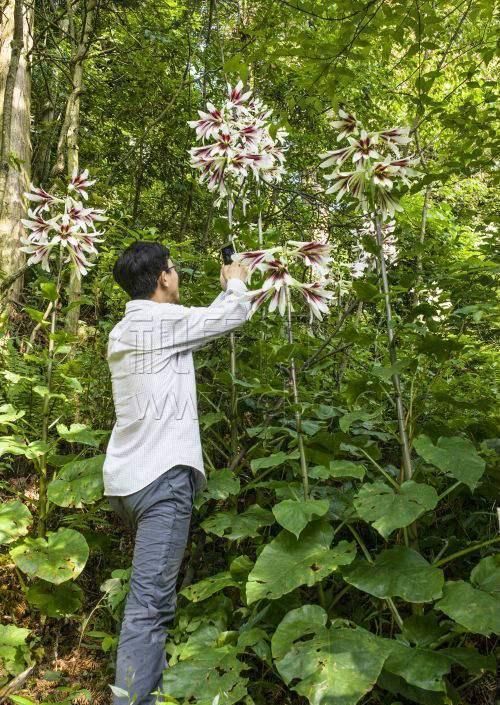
{"type": "Point", "coordinates": [278, 281]}
{"type": "Point", "coordinates": [237, 142]}
{"type": "Point", "coordinates": [73, 228]}
{"type": "Point", "coordinates": [366, 260]}
{"type": "Point", "coordinates": [376, 161]}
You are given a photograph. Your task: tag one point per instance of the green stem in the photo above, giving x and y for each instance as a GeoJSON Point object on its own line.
{"type": "Point", "coordinates": [42, 494]}
{"type": "Point", "coordinates": [232, 356]}
{"type": "Point", "coordinates": [381, 470]}
{"type": "Point", "coordinates": [465, 551]}
{"type": "Point", "coordinates": [298, 417]}
{"type": "Point", "coordinates": [447, 492]}
{"type": "Point", "coordinates": [361, 543]}
{"type": "Point", "coordinates": [405, 446]}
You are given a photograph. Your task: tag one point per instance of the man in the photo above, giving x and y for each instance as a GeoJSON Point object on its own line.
{"type": "Point", "coordinates": [154, 465]}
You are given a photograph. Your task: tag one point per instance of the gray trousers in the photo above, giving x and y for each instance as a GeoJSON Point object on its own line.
{"type": "Point", "coordinates": [161, 514]}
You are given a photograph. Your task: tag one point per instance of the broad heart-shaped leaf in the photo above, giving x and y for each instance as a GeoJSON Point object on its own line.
{"type": "Point", "coordinates": [221, 484]}
{"type": "Point", "coordinates": [234, 526]}
{"type": "Point", "coordinates": [388, 510]}
{"type": "Point", "coordinates": [14, 653]}
{"type": "Point", "coordinates": [8, 414]}
{"type": "Point", "coordinates": [209, 586]}
{"type": "Point", "coordinates": [338, 468]}
{"type": "Point", "coordinates": [15, 518]}
{"type": "Point", "coordinates": [79, 433]}
{"type": "Point", "coordinates": [295, 515]}
{"type": "Point", "coordinates": [16, 446]}
{"type": "Point", "coordinates": [272, 461]}
{"type": "Point", "coordinates": [397, 572]}
{"type": "Point", "coordinates": [476, 610]}
{"type": "Point", "coordinates": [425, 668]}
{"type": "Point", "coordinates": [420, 667]}
{"type": "Point", "coordinates": [55, 600]}
{"type": "Point", "coordinates": [287, 562]}
{"type": "Point", "coordinates": [486, 575]}
{"type": "Point", "coordinates": [60, 557]}
{"type": "Point", "coordinates": [207, 673]}
{"type": "Point", "coordinates": [335, 666]}
{"type": "Point", "coordinates": [455, 455]}
{"type": "Point", "coordinates": [78, 482]}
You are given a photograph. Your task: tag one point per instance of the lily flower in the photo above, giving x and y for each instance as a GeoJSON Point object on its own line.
{"type": "Point", "coordinates": [255, 259]}
{"type": "Point", "coordinates": [337, 156]}
{"type": "Point", "coordinates": [80, 182]}
{"type": "Point", "coordinates": [74, 227]}
{"type": "Point", "coordinates": [209, 123]}
{"type": "Point", "coordinates": [316, 297]}
{"type": "Point", "coordinates": [348, 125]}
{"type": "Point", "coordinates": [387, 203]}
{"type": "Point", "coordinates": [277, 275]}
{"type": "Point", "coordinates": [38, 226]}
{"type": "Point", "coordinates": [39, 195]}
{"type": "Point", "coordinates": [40, 251]}
{"type": "Point", "coordinates": [349, 181]}
{"type": "Point", "coordinates": [395, 136]}
{"type": "Point", "coordinates": [84, 216]}
{"type": "Point", "coordinates": [363, 146]}
{"type": "Point", "coordinates": [257, 298]}
{"type": "Point", "coordinates": [315, 254]}
{"type": "Point", "coordinates": [236, 96]}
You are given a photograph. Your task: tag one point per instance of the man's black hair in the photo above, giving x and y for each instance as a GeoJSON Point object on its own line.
{"type": "Point", "coordinates": [137, 269]}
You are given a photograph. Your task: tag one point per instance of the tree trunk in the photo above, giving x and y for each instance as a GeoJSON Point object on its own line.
{"type": "Point", "coordinates": [16, 30]}
{"type": "Point", "coordinates": [67, 146]}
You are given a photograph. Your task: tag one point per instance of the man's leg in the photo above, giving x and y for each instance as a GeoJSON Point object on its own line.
{"type": "Point", "coordinates": [162, 513]}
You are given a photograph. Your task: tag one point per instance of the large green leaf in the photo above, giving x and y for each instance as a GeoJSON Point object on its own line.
{"type": "Point", "coordinates": [234, 526]}
{"type": "Point", "coordinates": [389, 510]}
{"type": "Point", "coordinates": [78, 482]}
{"type": "Point", "coordinates": [456, 456]}
{"type": "Point", "coordinates": [338, 468]}
{"type": "Point", "coordinates": [15, 517]}
{"type": "Point", "coordinates": [60, 557]}
{"type": "Point", "coordinates": [8, 415]}
{"type": "Point", "coordinates": [272, 461]}
{"type": "Point", "coordinates": [476, 610]}
{"type": "Point", "coordinates": [397, 572]}
{"type": "Point", "coordinates": [420, 667]}
{"type": "Point", "coordinates": [287, 562]}
{"type": "Point", "coordinates": [55, 600]}
{"type": "Point", "coordinates": [221, 484]}
{"type": "Point", "coordinates": [335, 666]}
{"type": "Point", "coordinates": [209, 586]}
{"type": "Point", "coordinates": [207, 673]}
{"type": "Point", "coordinates": [16, 446]}
{"type": "Point", "coordinates": [14, 653]}
{"type": "Point", "coordinates": [294, 515]}
{"type": "Point", "coordinates": [486, 575]}
{"type": "Point", "coordinates": [80, 433]}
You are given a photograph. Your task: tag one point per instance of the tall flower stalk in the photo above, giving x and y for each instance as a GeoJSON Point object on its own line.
{"type": "Point", "coordinates": [239, 144]}
{"type": "Point", "coordinates": [276, 290]}
{"type": "Point", "coordinates": [377, 167]}
{"type": "Point", "coordinates": [63, 230]}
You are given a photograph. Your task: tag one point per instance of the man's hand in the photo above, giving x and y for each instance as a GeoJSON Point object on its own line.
{"type": "Point", "coordinates": [232, 271]}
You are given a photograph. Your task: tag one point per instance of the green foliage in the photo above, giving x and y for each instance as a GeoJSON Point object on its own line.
{"type": "Point", "coordinates": [378, 587]}
{"type": "Point", "coordinates": [60, 557]}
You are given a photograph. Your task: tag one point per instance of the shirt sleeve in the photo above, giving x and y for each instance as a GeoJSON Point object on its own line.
{"type": "Point", "coordinates": [228, 311]}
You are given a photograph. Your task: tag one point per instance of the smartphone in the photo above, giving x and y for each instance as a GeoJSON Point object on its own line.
{"type": "Point", "coordinates": [227, 252]}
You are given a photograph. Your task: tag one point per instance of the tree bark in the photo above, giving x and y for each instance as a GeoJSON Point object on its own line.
{"type": "Point", "coordinates": [16, 20]}
{"type": "Point", "coordinates": [68, 145]}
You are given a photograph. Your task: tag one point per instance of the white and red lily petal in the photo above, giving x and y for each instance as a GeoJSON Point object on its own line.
{"type": "Point", "coordinates": [81, 182]}
{"type": "Point", "coordinates": [347, 125]}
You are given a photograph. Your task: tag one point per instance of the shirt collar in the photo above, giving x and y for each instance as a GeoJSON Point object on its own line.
{"type": "Point", "coordinates": [140, 305]}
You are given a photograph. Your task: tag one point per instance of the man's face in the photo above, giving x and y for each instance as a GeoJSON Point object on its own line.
{"type": "Point", "coordinates": [172, 281]}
